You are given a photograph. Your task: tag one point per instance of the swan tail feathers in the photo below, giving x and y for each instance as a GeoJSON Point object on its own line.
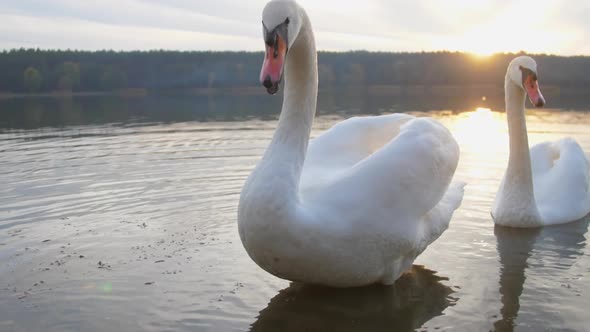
{"type": "Point", "coordinates": [445, 209]}
{"type": "Point", "coordinates": [454, 195]}
{"type": "Point", "coordinates": [437, 220]}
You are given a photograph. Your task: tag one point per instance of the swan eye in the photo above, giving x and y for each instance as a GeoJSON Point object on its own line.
{"type": "Point", "coordinates": [528, 76]}
{"type": "Point", "coordinates": [276, 37]}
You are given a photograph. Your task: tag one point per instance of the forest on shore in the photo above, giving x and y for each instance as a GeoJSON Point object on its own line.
{"type": "Point", "coordinates": [45, 71]}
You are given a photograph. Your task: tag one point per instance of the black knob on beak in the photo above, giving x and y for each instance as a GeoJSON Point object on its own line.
{"type": "Point", "coordinates": [267, 82]}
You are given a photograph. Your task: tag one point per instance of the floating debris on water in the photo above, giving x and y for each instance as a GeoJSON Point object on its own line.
{"type": "Point", "coordinates": [102, 265]}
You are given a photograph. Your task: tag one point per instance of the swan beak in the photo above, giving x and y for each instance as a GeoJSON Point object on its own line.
{"type": "Point", "coordinates": [531, 86]}
{"type": "Point", "coordinates": [272, 68]}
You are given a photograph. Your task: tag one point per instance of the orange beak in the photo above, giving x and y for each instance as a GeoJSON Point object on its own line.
{"type": "Point", "coordinates": [272, 68]}
{"type": "Point", "coordinates": [531, 85]}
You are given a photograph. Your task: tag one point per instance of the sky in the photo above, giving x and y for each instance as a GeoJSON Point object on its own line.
{"type": "Point", "coordinates": [477, 26]}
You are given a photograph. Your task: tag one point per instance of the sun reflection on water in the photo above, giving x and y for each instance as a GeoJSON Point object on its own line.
{"type": "Point", "coordinates": [483, 137]}
{"type": "Point", "coordinates": [482, 128]}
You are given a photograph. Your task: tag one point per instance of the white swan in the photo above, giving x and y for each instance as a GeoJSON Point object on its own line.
{"type": "Point", "coordinates": [364, 199]}
{"type": "Point", "coordinates": [551, 184]}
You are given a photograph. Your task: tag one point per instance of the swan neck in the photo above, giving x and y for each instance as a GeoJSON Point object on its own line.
{"type": "Point", "coordinates": [519, 171]}
{"type": "Point", "coordinates": [289, 144]}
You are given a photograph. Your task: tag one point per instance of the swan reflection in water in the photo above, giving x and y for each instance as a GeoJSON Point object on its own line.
{"type": "Point", "coordinates": [565, 243]}
{"type": "Point", "coordinates": [415, 298]}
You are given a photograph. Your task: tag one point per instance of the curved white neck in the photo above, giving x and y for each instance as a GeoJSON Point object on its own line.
{"type": "Point", "coordinates": [283, 160]}
{"type": "Point", "coordinates": [519, 176]}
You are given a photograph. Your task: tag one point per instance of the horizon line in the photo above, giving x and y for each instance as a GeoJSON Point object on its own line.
{"type": "Point", "coordinates": [8, 50]}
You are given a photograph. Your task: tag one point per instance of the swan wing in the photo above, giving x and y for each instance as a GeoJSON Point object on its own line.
{"type": "Point", "coordinates": [561, 178]}
{"type": "Point", "coordinates": [399, 190]}
{"type": "Point", "coordinates": [345, 144]}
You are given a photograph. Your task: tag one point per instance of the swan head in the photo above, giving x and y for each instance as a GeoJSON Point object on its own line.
{"type": "Point", "coordinates": [522, 71]}
{"type": "Point", "coordinates": [281, 23]}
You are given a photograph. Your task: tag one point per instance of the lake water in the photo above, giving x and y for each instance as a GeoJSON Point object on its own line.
{"type": "Point", "coordinates": [120, 215]}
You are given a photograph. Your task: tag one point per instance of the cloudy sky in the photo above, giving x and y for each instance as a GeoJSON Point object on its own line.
{"type": "Point", "coordinates": [479, 26]}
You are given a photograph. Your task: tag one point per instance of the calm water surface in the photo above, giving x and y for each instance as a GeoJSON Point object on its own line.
{"type": "Point", "coordinates": [120, 215]}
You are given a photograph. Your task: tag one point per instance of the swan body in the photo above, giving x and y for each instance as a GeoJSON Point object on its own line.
{"type": "Point", "coordinates": [548, 185]}
{"type": "Point", "coordinates": [354, 206]}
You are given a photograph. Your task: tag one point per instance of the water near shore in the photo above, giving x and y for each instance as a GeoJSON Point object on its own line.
{"type": "Point", "coordinates": [120, 214]}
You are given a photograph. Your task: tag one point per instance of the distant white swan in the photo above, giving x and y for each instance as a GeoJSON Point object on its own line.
{"type": "Point", "coordinates": [551, 184]}
{"type": "Point", "coordinates": [363, 200]}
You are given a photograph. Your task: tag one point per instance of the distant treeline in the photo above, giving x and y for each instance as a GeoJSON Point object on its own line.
{"type": "Point", "coordinates": [37, 71]}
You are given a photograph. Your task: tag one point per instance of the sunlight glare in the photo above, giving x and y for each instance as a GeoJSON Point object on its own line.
{"type": "Point", "coordinates": [504, 28]}
{"type": "Point", "coordinates": [483, 136]}
{"type": "Point", "coordinates": [482, 128]}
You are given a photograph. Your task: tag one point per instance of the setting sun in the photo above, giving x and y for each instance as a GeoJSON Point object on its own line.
{"type": "Point", "coordinates": [506, 28]}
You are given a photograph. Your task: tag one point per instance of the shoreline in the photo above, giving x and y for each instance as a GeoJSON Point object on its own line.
{"type": "Point", "coordinates": [450, 90]}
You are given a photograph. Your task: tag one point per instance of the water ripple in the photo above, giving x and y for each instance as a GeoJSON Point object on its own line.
{"type": "Point", "coordinates": [133, 227]}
